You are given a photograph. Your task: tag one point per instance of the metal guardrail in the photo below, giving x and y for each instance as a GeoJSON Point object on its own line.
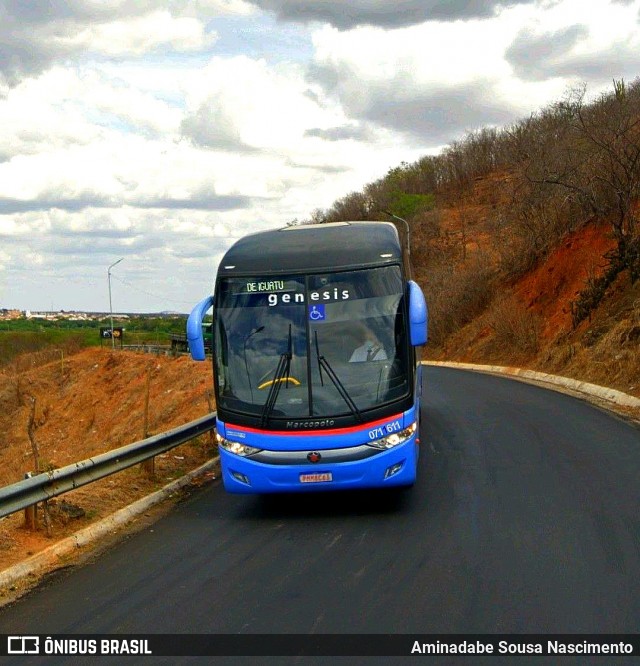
{"type": "Point", "coordinates": [46, 485]}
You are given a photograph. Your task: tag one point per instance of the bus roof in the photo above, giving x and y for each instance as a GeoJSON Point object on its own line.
{"type": "Point", "coordinates": [314, 247]}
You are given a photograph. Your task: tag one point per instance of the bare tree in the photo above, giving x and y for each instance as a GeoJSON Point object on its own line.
{"type": "Point", "coordinates": [594, 155]}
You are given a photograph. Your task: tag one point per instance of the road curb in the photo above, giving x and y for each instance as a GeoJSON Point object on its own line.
{"type": "Point", "coordinates": [42, 561]}
{"type": "Point", "coordinates": [601, 395]}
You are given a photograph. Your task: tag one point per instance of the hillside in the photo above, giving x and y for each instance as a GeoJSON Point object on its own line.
{"type": "Point", "coordinates": [85, 404]}
{"type": "Point", "coordinates": [526, 239]}
{"type": "Point", "coordinates": [529, 322]}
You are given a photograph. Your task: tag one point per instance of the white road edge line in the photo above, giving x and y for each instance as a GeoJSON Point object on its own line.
{"type": "Point", "coordinates": [554, 382]}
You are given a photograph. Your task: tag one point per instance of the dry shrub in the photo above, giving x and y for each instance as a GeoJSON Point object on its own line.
{"type": "Point", "coordinates": [515, 328]}
{"type": "Point", "coordinates": [456, 294]}
{"type": "Point", "coordinates": [556, 358]}
{"type": "Point", "coordinates": [612, 360]}
{"type": "Point", "coordinates": [425, 237]}
{"type": "Point", "coordinates": [23, 350]}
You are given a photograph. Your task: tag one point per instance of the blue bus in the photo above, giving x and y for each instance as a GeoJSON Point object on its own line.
{"type": "Point", "coordinates": [316, 376]}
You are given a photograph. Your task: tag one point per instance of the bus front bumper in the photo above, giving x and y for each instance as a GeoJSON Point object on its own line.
{"type": "Point", "coordinates": [393, 467]}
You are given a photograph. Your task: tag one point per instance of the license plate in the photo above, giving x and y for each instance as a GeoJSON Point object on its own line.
{"type": "Point", "coordinates": [316, 478]}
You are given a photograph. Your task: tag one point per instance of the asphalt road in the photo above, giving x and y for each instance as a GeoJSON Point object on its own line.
{"type": "Point", "coordinates": [525, 519]}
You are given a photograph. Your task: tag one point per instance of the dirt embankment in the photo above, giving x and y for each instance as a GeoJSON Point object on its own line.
{"type": "Point", "coordinates": [527, 321]}
{"type": "Point", "coordinates": [69, 409]}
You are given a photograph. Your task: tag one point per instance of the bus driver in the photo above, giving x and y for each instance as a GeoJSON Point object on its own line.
{"type": "Point", "coordinates": [371, 350]}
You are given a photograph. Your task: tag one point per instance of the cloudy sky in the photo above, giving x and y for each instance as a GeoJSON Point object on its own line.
{"type": "Point", "coordinates": [158, 132]}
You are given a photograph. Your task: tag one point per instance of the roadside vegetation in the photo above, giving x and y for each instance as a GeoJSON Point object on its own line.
{"type": "Point", "coordinates": [46, 338]}
{"type": "Point", "coordinates": [526, 239]}
{"type": "Point", "coordinates": [63, 410]}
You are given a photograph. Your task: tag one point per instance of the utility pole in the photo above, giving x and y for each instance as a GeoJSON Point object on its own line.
{"type": "Point", "coordinates": [113, 342]}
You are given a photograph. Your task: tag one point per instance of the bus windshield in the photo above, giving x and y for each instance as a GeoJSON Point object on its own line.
{"type": "Point", "coordinates": [311, 346]}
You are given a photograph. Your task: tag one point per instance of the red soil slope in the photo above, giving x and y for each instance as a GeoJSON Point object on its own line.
{"type": "Point", "coordinates": [549, 289]}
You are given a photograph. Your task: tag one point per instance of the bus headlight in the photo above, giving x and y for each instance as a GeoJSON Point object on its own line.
{"type": "Point", "coordinates": [236, 447]}
{"type": "Point", "coordinates": [394, 439]}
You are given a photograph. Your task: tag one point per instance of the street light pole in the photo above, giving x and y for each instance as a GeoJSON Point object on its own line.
{"type": "Point", "coordinates": [408, 239]}
{"type": "Point", "coordinates": [113, 342]}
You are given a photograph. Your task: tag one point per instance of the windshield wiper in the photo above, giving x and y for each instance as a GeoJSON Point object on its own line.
{"type": "Point", "coordinates": [246, 365]}
{"type": "Point", "coordinates": [282, 371]}
{"type": "Point", "coordinates": [323, 364]}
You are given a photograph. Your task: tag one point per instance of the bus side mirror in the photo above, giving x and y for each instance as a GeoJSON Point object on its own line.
{"type": "Point", "coordinates": [195, 339]}
{"type": "Point", "coordinates": [418, 315]}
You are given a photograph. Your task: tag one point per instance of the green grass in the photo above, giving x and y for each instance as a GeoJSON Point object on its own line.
{"type": "Point", "coordinates": [24, 336]}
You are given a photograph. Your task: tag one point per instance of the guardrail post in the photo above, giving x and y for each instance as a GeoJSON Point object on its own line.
{"type": "Point", "coordinates": [149, 467]}
{"type": "Point", "coordinates": [47, 518]}
{"type": "Point", "coordinates": [30, 513]}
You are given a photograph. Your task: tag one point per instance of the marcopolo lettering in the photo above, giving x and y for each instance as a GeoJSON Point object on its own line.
{"type": "Point", "coordinates": [326, 423]}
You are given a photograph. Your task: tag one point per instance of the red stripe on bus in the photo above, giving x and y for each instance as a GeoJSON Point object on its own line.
{"type": "Point", "coordinates": [302, 431]}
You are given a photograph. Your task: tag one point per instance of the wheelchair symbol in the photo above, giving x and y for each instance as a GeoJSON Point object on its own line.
{"type": "Point", "coordinates": [316, 312]}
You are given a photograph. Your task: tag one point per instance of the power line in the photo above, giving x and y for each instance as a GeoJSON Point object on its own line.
{"type": "Point", "coordinates": [148, 293]}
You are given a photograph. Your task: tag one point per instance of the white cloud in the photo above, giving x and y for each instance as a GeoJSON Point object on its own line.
{"type": "Point", "coordinates": [428, 53]}
{"type": "Point", "coordinates": [383, 13]}
{"type": "Point", "coordinates": [63, 108]}
{"type": "Point", "coordinates": [139, 35]}
{"type": "Point", "coordinates": [9, 227]}
{"type": "Point", "coordinates": [563, 43]}
{"type": "Point", "coordinates": [245, 104]}
{"type": "Point", "coordinates": [37, 116]}
{"type": "Point", "coordinates": [437, 80]}
{"type": "Point", "coordinates": [127, 129]}
{"type": "Point", "coordinates": [422, 82]}
{"type": "Point", "coordinates": [217, 7]}
{"type": "Point", "coordinates": [5, 258]}
{"type": "Point", "coordinates": [36, 35]}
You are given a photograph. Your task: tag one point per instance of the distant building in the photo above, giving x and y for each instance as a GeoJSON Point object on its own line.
{"type": "Point", "coordinates": [5, 314]}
